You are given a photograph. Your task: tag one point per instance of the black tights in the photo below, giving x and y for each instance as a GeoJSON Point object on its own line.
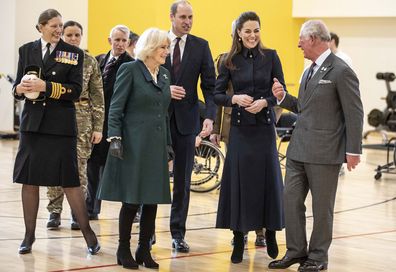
{"type": "Point", "coordinates": [30, 202]}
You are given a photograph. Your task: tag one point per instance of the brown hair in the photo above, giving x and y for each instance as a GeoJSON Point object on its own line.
{"type": "Point", "coordinates": [175, 4]}
{"type": "Point", "coordinates": [45, 16]}
{"type": "Point", "coordinates": [72, 23]}
{"type": "Point", "coordinates": [237, 44]}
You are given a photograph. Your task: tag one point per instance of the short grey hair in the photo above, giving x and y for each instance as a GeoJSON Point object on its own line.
{"type": "Point", "coordinates": [123, 28]}
{"type": "Point", "coordinates": [315, 28]}
{"type": "Point", "coordinates": [149, 41]}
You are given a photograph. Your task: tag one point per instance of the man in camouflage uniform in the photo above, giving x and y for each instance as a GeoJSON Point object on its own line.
{"type": "Point", "coordinates": [90, 118]}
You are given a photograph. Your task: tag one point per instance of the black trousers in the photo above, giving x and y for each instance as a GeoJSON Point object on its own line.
{"type": "Point", "coordinates": [184, 148]}
{"type": "Point", "coordinates": [94, 174]}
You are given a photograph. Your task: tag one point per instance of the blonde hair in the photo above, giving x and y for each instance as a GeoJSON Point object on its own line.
{"type": "Point", "coordinates": [149, 41]}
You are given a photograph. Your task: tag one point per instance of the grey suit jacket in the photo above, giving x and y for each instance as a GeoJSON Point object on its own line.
{"type": "Point", "coordinates": [330, 115]}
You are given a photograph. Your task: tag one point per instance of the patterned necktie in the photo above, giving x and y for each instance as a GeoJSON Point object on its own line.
{"type": "Point", "coordinates": [176, 58]}
{"type": "Point", "coordinates": [47, 53]}
{"type": "Point", "coordinates": [310, 73]}
{"type": "Point", "coordinates": [108, 67]}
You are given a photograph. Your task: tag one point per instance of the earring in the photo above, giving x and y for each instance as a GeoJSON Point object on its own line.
{"type": "Point", "coordinates": [239, 39]}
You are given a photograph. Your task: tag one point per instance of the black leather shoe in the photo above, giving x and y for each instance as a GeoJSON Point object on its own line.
{"type": "Point", "coordinates": [93, 216]}
{"type": "Point", "coordinates": [285, 262]}
{"type": "Point", "coordinates": [74, 224]}
{"type": "Point", "coordinates": [25, 247]}
{"type": "Point", "coordinates": [272, 245]}
{"type": "Point", "coordinates": [54, 221]}
{"type": "Point", "coordinates": [260, 241]}
{"type": "Point", "coordinates": [93, 250]}
{"type": "Point", "coordinates": [180, 245]}
{"type": "Point", "coordinates": [312, 266]}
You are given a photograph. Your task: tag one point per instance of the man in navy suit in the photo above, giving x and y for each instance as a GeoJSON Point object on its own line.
{"type": "Point", "coordinates": [190, 58]}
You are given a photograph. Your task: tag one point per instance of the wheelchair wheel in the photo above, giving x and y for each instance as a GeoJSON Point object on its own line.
{"type": "Point", "coordinates": [207, 169]}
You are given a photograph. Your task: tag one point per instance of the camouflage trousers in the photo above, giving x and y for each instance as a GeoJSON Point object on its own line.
{"type": "Point", "coordinates": [56, 195]}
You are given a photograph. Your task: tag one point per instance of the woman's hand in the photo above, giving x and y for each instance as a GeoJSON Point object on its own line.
{"type": "Point", "coordinates": [32, 85]}
{"type": "Point", "coordinates": [257, 106]}
{"type": "Point", "coordinates": [242, 100]}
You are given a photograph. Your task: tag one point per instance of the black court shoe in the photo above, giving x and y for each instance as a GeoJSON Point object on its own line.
{"type": "Point", "coordinates": [26, 247]}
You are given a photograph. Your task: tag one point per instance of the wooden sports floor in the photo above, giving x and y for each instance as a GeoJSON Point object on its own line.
{"type": "Point", "coordinates": [364, 229]}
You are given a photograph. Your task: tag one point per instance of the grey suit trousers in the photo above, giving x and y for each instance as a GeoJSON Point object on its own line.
{"type": "Point", "coordinates": [321, 180]}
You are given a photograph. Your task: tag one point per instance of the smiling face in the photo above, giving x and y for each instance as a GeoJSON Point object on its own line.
{"type": "Point", "coordinates": [305, 43]}
{"type": "Point", "coordinates": [182, 20]}
{"type": "Point", "coordinates": [160, 54]}
{"type": "Point", "coordinates": [250, 34]}
{"type": "Point", "coordinates": [52, 31]}
{"type": "Point", "coordinates": [72, 35]}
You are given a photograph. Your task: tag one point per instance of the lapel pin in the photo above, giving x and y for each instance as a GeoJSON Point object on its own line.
{"type": "Point", "coordinates": [165, 76]}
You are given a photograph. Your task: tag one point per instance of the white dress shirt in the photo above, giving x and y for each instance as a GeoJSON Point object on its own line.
{"type": "Point", "coordinates": [182, 44]}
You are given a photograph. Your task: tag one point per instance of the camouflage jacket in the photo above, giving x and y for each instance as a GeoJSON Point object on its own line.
{"type": "Point", "coordinates": [91, 97]}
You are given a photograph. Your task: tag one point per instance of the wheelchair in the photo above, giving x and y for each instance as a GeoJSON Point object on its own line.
{"type": "Point", "coordinates": [207, 168]}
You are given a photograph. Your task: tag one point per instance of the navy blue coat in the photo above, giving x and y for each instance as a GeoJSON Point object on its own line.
{"type": "Point", "coordinates": [197, 61]}
{"type": "Point", "coordinates": [251, 186]}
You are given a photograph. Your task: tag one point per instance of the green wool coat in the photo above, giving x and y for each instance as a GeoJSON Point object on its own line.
{"type": "Point", "coordinates": [139, 114]}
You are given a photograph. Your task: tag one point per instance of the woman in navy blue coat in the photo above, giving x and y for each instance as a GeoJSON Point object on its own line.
{"type": "Point", "coordinates": [47, 153]}
{"type": "Point", "coordinates": [251, 187]}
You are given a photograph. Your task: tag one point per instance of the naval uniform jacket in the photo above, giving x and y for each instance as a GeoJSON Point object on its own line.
{"type": "Point", "coordinates": [54, 112]}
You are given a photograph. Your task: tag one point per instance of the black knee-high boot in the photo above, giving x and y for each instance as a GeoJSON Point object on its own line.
{"type": "Point", "coordinates": [272, 245]}
{"type": "Point", "coordinates": [30, 203]}
{"type": "Point", "coordinates": [124, 256]}
{"type": "Point", "coordinates": [239, 245]}
{"type": "Point", "coordinates": [147, 226]}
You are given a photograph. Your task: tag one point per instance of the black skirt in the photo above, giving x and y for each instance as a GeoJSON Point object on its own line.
{"type": "Point", "coordinates": [251, 186]}
{"type": "Point", "coordinates": [46, 160]}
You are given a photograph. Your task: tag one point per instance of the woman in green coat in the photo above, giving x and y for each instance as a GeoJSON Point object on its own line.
{"type": "Point", "coordinates": [136, 170]}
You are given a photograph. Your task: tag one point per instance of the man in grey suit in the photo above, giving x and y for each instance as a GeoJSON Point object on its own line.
{"type": "Point", "coordinates": [328, 132]}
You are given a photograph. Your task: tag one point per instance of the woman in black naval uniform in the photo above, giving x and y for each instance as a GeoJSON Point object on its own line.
{"type": "Point", "coordinates": [47, 154]}
{"type": "Point", "coordinates": [251, 186]}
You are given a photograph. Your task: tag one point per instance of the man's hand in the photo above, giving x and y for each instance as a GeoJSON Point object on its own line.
{"type": "Point", "coordinates": [257, 106]}
{"type": "Point", "coordinates": [207, 127]}
{"type": "Point", "coordinates": [215, 139]}
{"type": "Point", "coordinates": [242, 100]}
{"type": "Point", "coordinates": [96, 137]}
{"type": "Point", "coordinates": [177, 92]}
{"type": "Point", "coordinates": [352, 161]}
{"type": "Point", "coordinates": [277, 90]}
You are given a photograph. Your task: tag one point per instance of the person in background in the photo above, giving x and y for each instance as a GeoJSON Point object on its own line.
{"type": "Point", "coordinates": [47, 152]}
{"type": "Point", "coordinates": [334, 43]}
{"type": "Point", "coordinates": [89, 115]}
{"type": "Point", "coordinates": [136, 171]}
{"type": "Point", "coordinates": [109, 64]}
{"type": "Point", "coordinates": [328, 132]}
{"type": "Point", "coordinates": [190, 59]}
{"type": "Point", "coordinates": [133, 38]}
{"type": "Point", "coordinates": [251, 185]}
